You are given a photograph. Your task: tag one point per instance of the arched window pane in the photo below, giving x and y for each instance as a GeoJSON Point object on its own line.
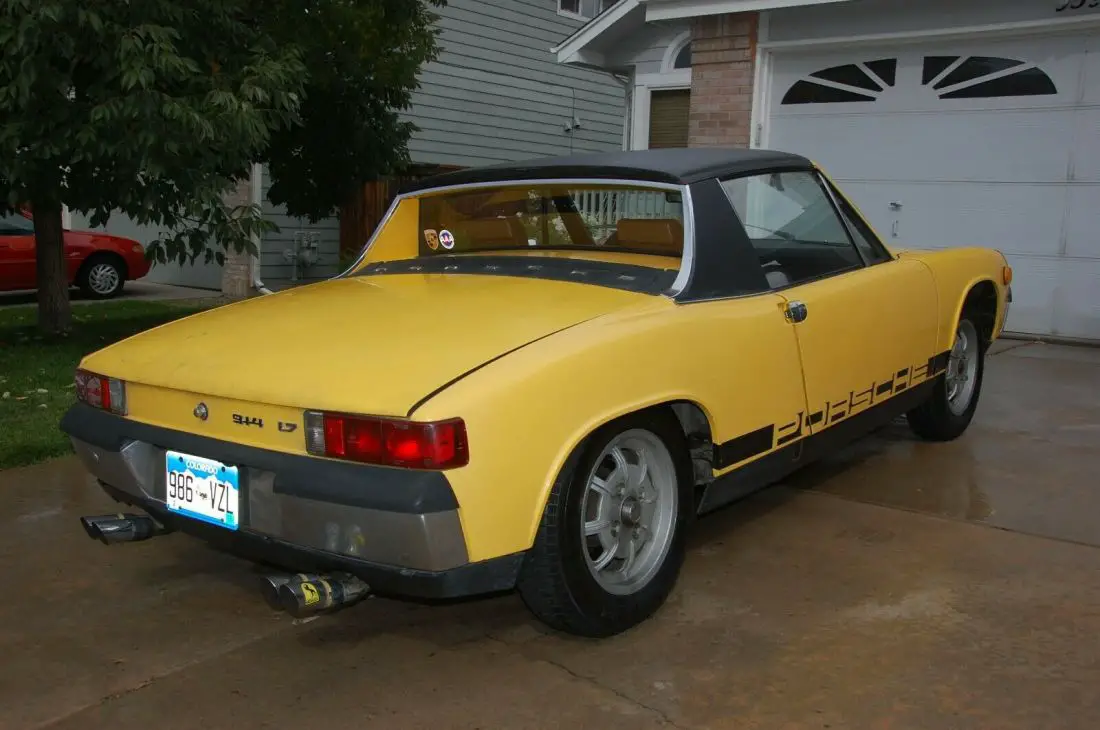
{"type": "Point", "coordinates": [683, 58]}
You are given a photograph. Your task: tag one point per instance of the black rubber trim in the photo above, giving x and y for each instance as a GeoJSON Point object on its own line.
{"type": "Point", "coordinates": [725, 264]}
{"type": "Point", "coordinates": [628, 277]}
{"type": "Point", "coordinates": [488, 576]}
{"type": "Point", "coordinates": [355, 485]}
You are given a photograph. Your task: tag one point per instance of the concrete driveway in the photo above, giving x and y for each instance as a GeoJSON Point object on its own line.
{"type": "Point", "coordinates": [899, 585]}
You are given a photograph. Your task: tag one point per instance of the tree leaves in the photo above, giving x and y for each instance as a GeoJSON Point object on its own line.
{"type": "Point", "coordinates": [156, 108]}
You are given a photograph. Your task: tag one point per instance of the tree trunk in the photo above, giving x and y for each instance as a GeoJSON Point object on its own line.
{"type": "Point", "coordinates": [54, 313]}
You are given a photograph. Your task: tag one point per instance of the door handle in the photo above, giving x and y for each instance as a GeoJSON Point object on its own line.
{"type": "Point", "coordinates": [795, 312]}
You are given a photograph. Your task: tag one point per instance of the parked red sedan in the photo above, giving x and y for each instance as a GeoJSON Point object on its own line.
{"type": "Point", "coordinates": [97, 262]}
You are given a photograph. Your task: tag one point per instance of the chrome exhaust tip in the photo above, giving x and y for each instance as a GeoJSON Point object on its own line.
{"type": "Point", "coordinates": [317, 594]}
{"type": "Point", "coordinates": [118, 528]}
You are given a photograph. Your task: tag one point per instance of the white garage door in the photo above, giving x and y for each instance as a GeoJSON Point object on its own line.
{"type": "Point", "coordinates": [969, 143]}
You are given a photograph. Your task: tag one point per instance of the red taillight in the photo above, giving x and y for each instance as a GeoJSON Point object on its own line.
{"type": "Point", "coordinates": [98, 391]}
{"type": "Point", "coordinates": [387, 442]}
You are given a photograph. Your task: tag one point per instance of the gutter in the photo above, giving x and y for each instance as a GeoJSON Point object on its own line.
{"type": "Point", "coordinates": [256, 180]}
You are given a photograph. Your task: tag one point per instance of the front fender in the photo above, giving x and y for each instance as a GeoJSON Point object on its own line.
{"type": "Point", "coordinates": [957, 271]}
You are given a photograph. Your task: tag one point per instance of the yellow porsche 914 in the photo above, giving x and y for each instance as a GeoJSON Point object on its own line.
{"type": "Point", "coordinates": [536, 377]}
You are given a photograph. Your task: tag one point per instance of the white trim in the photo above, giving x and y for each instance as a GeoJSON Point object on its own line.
{"type": "Point", "coordinates": [758, 109]}
{"type": "Point", "coordinates": [639, 118]}
{"type": "Point", "coordinates": [66, 217]}
{"type": "Point", "coordinates": [657, 10]}
{"type": "Point", "coordinates": [577, 42]}
{"type": "Point", "coordinates": [674, 47]}
{"type": "Point", "coordinates": [677, 79]}
{"type": "Point", "coordinates": [644, 85]}
{"type": "Point", "coordinates": [571, 16]}
{"type": "Point", "coordinates": [1018, 28]}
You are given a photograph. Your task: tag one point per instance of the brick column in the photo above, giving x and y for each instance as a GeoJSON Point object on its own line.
{"type": "Point", "coordinates": [236, 273]}
{"type": "Point", "coordinates": [723, 49]}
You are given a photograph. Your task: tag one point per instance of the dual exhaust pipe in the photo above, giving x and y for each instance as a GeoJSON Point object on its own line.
{"type": "Point", "coordinates": [300, 595]}
{"type": "Point", "coordinates": [116, 528]}
{"type": "Point", "coordinates": [307, 594]}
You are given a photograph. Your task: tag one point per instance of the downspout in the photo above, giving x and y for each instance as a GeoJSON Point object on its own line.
{"type": "Point", "coordinates": [257, 179]}
{"type": "Point", "coordinates": [627, 82]}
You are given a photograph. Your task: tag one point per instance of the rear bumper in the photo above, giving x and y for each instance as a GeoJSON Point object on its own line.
{"type": "Point", "coordinates": [397, 530]}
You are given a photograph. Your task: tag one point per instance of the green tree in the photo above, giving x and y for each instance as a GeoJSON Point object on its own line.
{"type": "Point", "coordinates": [157, 108]}
{"type": "Point", "coordinates": [363, 59]}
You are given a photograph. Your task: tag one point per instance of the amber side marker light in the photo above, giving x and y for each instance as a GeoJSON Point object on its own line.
{"type": "Point", "coordinates": [387, 442]}
{"type": "Point", "coordinates": [99, 391]}
{"type": "Point", "coordinates": [1006, 275]}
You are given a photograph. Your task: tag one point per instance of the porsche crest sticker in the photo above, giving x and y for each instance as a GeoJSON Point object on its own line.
{"type": "Point", "coordinates": [432, 238]}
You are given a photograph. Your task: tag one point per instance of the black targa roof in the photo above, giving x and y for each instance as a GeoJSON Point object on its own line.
{"type": "Point", "coordinates": [676, 166]}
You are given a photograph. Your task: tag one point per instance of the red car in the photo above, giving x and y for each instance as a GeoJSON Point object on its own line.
{"type": "Point", "coordinates": [97, 262]}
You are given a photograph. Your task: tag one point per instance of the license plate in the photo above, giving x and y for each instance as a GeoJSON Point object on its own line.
{"type": "Point", "coordinates": [202, 489]}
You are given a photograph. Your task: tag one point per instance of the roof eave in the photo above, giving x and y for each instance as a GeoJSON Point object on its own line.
{"type": "Point", "coordinates": [578, 46]}
{"type": "Point", "coordinates": [658, 10]}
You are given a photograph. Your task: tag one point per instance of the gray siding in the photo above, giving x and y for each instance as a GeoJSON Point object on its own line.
{"type": "Point", "coordinates": [645, 49]}
{"type": "Point", "coordinates": [275, 270]}
{"type": "Point", "coordinates": [496, 93]}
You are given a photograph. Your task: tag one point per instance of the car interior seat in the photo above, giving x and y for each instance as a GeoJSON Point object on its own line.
{"type": "Point", "coordinates": [658, 236]}
{"type": "Point", "coordinates": [489, 233]}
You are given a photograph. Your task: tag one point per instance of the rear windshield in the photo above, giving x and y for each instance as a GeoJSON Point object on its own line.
{"type": "Point", "coordinates": [597, 217]}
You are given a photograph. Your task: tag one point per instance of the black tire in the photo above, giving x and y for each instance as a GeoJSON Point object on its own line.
{"type": "Point", "coordinates": [103, 276]}
{"type": "Point", "coordinates": [936, 419]}
{"type": "Point", "coordinates": [556, 582]}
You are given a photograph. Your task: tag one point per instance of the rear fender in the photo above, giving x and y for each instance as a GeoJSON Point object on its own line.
{"type": "Point", "coordinates": [527, 412]}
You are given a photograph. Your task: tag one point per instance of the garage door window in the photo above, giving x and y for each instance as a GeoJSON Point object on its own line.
{"type": "Point", "coordinates": [952, 77]}
{"type": "Point", "coordinates": [793, 226]}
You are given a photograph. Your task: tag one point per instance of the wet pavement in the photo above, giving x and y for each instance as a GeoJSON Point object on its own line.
{"type": "Point", "coordinates": [896, 585]}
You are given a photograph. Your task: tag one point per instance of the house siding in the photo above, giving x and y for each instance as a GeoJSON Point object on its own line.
{"type": "Point", "coordinates": [645, 49]}
{"type": "Point", "coordinates": [275, 270]}
{"type": "Point", "coordinates": [496, 93]}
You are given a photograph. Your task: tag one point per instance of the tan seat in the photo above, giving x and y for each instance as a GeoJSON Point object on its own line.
{"type": "Point", "coordinates": [659, 236]}
{"type": "Point", "coordinates": [483, 233]}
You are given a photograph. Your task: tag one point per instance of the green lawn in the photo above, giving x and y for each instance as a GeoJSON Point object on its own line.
{"type": "Point", "coordinates": [36, 375]}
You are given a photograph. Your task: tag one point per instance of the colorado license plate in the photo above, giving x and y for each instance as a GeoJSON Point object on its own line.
{"type": "Point", "coordinates": [203, 489]}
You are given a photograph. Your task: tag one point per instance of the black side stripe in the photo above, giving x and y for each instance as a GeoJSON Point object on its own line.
{"type": "Point", "coordinates": [772, 437]}
{"type": "Point", "coordinates": [745, 447]}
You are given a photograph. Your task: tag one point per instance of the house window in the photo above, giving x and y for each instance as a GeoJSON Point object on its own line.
{"type": "Point", "coordinates": [584, 8]}
{"type": "Point", "coordinates": [669, 114]}
{"type": "Point", "coordinates": [683, 57]}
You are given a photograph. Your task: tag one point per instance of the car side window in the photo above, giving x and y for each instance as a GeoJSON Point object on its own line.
{"type": "Point", "coordinates": [865, 239]}
{"type": "Point", "coordinates": [14, 224]}
{"type": "Point", "coordinates": [793, 226]}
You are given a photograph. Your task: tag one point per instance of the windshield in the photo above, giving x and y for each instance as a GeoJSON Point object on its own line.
{"type": "Point", "coordinates": [15, 224]}
{"type": "Point", "coordinates": [599, 217]}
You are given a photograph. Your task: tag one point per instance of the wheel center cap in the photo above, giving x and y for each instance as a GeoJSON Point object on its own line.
{"type": "Point", "coordinates": [631, 511]}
